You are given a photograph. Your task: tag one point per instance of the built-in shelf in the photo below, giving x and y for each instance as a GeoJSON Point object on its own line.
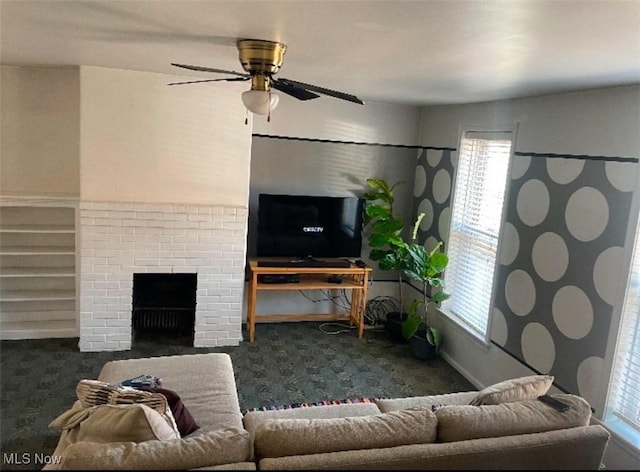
{"type": "Point", "coordinates": [37, 229]}
{"type": "Point", "coordinates": [35, 250]}
{"type": "Point", "coordinates": [38, 271]}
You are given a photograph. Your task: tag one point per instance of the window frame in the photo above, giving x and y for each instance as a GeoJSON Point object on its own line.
{"type": "Point", "coordinates": [463, 324]}
{"type": "Point", "coordinates": [627, 434]}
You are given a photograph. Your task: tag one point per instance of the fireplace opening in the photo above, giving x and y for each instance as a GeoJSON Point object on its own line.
{"type": "Point", "coordinates": [164, 306]}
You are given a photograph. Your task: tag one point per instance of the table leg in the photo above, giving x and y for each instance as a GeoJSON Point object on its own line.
{"type": "Point", "coordinates": [251, 307]}
{"type": "Point", "coordinates": [363, 303]}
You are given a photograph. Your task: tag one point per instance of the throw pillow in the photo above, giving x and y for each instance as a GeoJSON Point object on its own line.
{"type": "Point", "coordinates": [94, 392]}
{"type": "Point", "coordinates": [228, 446]}
{"type": "Point", "coordinates": [462, 422]}
{"type": "Point", "coordinates": [523, 388]}
{"type": "Point", "coordinates": [290, 437]}
{"type": "Point", "coordinates": [184, 419]}
{"type": "Point", "coordinates": [109, 423]}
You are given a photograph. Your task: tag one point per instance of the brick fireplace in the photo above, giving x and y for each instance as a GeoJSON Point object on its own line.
{"type": "Point", "coordinates": [120, 239]}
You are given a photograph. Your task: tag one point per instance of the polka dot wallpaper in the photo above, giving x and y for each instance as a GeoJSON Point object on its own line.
{"type": "Point", "coordinates": [559, 259]}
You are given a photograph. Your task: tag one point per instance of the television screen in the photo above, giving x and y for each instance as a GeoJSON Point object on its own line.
{"type": "Point", "coordinates": [309, 226]}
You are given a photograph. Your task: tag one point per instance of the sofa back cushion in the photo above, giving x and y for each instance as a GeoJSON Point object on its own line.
{"type": "Point", "coordinates": [462, 422]}
{"type": "Point", "coordinates": [289, 437]}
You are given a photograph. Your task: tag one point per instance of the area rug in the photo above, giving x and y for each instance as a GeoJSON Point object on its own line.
{"type": "Point", "coordinates": [308, 404]}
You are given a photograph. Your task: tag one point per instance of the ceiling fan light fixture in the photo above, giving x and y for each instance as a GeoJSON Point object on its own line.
{"type": "Point", "coordinates": [260, 102]}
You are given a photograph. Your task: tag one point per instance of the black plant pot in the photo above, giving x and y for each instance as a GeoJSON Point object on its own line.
{"type": "Point", "coordinates": [421, 348]}
{"type": "Point", "coordinates": [393, 326]}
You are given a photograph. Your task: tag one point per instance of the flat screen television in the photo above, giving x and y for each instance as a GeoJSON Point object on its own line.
{"type": "Point", "coordinates": [309, 226]}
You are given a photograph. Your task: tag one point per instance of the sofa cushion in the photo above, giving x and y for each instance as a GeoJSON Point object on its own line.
{"type": "Point", "coordinates": [288, 437]}
{"type": "Point", "coordinates": [513, 390]}
{"type": "Point", "coordinates": [227, 446]}
{"type": "Point", "coordinates": [107, 423]}
{"type": "Point", "coordinates": [428, 401]}
{"type": "Point", "coordinates": [462, 422]}
{"type": "Point", "coordinates": [254, 418]}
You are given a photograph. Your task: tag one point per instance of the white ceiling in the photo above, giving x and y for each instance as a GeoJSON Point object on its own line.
{"type": "Point", "coordinates": [411, 52]}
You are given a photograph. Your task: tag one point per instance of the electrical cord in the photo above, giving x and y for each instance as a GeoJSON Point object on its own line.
{"type": "Point", "coordinates": [377, 308]}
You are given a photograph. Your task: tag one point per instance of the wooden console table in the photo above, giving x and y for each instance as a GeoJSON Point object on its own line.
{"type": "Point", "coordinates": [354, 278]}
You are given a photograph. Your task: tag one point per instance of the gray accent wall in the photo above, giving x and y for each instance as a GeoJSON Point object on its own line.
{"type": "Point", "coordinates": [328, 168]}
{"type": "Point", "coordinates": [560, 259]}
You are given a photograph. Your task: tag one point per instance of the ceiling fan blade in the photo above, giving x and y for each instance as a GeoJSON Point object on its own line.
{"type": "Point", "coordinates": [296, 92]}
{"type": "Point", "coordinates": [234, 79]}
{"type": "Point", "coordinates": [325, 91]}
{"type": "Point", "coordinates": [209, 69]}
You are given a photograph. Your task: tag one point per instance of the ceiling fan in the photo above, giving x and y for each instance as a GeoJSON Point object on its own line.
{"type": "Point", "coordinates": [261, 60]}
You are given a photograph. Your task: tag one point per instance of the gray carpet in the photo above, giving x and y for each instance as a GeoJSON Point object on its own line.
{"type": "Point", "coordinates": [288, 363]}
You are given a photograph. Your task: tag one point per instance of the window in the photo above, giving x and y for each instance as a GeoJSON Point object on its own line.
{"type": "Point", "coordinates": [623, 411]}
{"type": "Point", "coordinates": [480, 187]}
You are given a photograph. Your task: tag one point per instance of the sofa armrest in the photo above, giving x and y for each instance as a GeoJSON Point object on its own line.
{"type": "Point", "coordinates": [213, 448]}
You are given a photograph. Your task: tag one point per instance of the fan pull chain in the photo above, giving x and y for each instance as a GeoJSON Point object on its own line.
{"type": "Point", "coordinates": [246, 116]}
{"type": "Point", "coordinates": [269, 114]}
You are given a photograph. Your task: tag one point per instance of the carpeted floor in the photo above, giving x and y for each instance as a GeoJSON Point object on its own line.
{"type": "Point", "coordinates": [288, 363]}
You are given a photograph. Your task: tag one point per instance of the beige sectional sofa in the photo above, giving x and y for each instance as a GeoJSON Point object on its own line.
{"type": "Point", "coordinates": [498, 431]}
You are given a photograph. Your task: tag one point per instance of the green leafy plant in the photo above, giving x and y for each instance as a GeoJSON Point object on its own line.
{"type": "Point", "coordinates": [388, 248]}
{"type": "Point", "coordinates": [427, 268]}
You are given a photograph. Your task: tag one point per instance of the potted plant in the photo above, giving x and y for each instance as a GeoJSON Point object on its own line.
{"type": "Point", "coordinates": [425, 267]}
{"type": "Point", "coordinates": [388, 248]}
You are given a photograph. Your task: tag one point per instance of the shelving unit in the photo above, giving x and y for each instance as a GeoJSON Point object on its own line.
{"type": "Point", "coordinates": [37, 271]}
{"type": "Point", "coordinates": [354, 279]}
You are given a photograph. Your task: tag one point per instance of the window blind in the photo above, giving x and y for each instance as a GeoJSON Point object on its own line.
{"type": "Point", "coordinates": [476, 215]}
{"type": "Point", "coordinates": [625, 386]}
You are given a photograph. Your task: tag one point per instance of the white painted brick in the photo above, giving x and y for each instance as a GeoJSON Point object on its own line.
{"type": "Point", "coordinates": [105, 315]}
{"type": "Point", "coordinates": [198, 217]}
{"type": "Point", "coordinates": [119, 322]}
{"type": "Point", "coordinates": [119, 214]}
{"type": "Point", "coordinates": [144, 238]}
{"type": "Point", "coordinates": [107, 222]}
{"type": "Point", "coordinates": [121, 230]}
{"type": "Point", "coordinates": [174, 246]}
{"type": "Point", "coordinates": [118, 337]}
{"type": "Point", "coordinates": [148, 215]}
{"type": "Point", "coordinates": [185, 268]}
{"type": "Point", "coordinates": [147, 231]}
{"type": "Point", "coordinates": [135, 222]}
{"type": "Point", "coordinates": [160, 269]}
{"type": "Point", "coordinates": [172, 262]}
{"type": "Point", "coordinates": [106, 285]}
{"type": "Point", "coordinates": [146, 261]}
{"type": "Point", "coordinates": [160, 238]}
{"type": "Point", "coordinates": [94, 338]}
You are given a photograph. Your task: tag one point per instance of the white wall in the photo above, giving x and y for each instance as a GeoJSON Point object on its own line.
{"type": "Point", "coordinates": [40, 131]}
{"type": "Point", "coordinates": [142, 141]}
{"type": "Point", "coordinates": [598, 123]}
{"type": "Point", "coordinates": [338, 120]}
